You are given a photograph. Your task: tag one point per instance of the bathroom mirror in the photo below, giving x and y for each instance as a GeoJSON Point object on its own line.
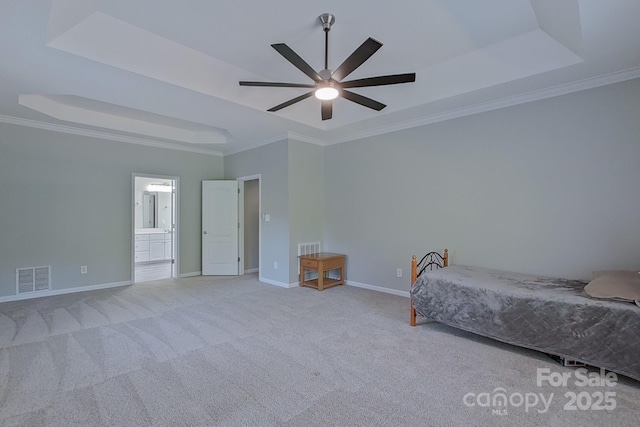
{"type": "Point", "coordinates": [149, 209]}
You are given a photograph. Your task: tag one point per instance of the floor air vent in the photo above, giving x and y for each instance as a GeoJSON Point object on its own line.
{"type": "Point", "coordinates": [33, 279]}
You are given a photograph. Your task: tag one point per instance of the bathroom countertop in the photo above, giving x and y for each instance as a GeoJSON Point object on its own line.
{"type": "Point", "coordinates": [151, 231]}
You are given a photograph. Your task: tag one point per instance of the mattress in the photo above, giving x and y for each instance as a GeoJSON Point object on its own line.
{"type": "Point", "coordinates": [541, 313]}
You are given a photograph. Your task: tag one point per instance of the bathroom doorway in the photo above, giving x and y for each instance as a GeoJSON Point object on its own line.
{"type": "Point", "coordinates": [155, 231]}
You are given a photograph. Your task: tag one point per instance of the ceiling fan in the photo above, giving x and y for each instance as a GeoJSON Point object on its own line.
{"type": "Point", "coordinates": [328, 84]}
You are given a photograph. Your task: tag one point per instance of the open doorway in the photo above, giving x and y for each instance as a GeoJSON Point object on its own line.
{"type": "Point", "coordinates": [154, 231]}
{"type": "Point", "coordinates": [250, 224]}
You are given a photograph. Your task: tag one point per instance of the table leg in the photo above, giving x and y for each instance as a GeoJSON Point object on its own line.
{"type": "Point", "coordinates": [320, 275]}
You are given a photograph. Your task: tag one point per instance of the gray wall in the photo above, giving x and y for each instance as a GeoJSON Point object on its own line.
{"type": "Point", "coordinates": [306, 198]}
{"type": "Point", "coordinates": [292, 176]}
{"type": "Point", "coordinates": [251, 224]}
{"type": "Point", "coordinates": [549, 187]}
{"type": "Point", "coordinates": [66, 202]}
{"type": "Point", "coordinates": [271, 162]}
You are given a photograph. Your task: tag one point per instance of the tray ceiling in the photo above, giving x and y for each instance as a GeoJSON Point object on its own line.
{"type": "Point", "coordinates": [156, 70]}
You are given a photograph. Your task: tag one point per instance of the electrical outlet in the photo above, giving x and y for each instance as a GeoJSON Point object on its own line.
{"type": "Point", "coordinates": [83, 269]}
{"type": "Point", "coordinates": [399, 272]}
{"type": "Point", "coordinates": [275, 265]}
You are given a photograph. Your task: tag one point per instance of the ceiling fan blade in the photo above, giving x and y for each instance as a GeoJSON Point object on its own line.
{"type": "Point", "coordinates": [276, 84]}
{"type": "Point", "coordinates": [290, 102]}
{"type": "Point", "coordinates": [362, 100]}
{"type": "Point", "coordinates": [327, 110]}
{"type": "Point", "coordinates": [356, 59]}
{"type": "Point", "coordinates": [381, 80]}
{"type": "Point", "coordinates": [298, 62]}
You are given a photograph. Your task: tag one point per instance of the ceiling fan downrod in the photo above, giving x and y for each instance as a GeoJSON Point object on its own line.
{"type": "Point", "coordinates": [326, 20]}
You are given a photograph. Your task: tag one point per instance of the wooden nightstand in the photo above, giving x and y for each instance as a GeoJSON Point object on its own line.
{"type": "Point", "coordinates": [322, 262]}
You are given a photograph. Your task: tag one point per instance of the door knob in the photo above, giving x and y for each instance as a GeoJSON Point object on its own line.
{"type": "Point", "coordinates": [204, 232]}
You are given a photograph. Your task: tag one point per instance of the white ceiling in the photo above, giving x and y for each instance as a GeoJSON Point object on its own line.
{"type": "Point", "coordinates": [159, 72]}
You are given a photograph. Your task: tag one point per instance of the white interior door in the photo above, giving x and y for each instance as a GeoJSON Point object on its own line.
{"type": "Point", "coordinates": [220, 228]}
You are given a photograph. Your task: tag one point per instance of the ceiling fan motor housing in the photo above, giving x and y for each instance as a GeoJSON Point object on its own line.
{"type": "Point", "coordinates": [325, 74]}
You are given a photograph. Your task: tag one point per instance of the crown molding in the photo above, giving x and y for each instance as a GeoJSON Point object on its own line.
{"type": "Point", "coordinates": [564, 89]}
{"type": "Point", "coordinates": [104, 135]}
{"type": "Point", "coordinates": [83, 111]}
{"type": "Point", "coordinates": [537, 95]}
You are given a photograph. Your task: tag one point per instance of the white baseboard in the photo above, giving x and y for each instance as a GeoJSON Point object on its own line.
{"type": "Point", "coordinates": [347, 282]}
{"type": "Point", "coordinates": [251, 270]}
{"type": "Point", "coordinates": [378, 289]}
{"type": "Point", "coordinates": [280, 284]}
{"type": "Point", "coordinates": [192, 274]}
{"type": "Point", "coordinates": [55, 292]}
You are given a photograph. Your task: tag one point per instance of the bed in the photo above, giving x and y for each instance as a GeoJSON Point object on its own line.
{"type": "Point", "coordinates": [550, 315]}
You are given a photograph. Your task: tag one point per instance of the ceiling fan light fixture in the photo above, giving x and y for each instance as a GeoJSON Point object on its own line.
{"type": "Point", "coordinates": [326, 93]}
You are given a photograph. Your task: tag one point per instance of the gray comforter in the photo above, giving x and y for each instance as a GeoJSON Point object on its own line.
{"type": "Point", "coordinates": [541, 313]}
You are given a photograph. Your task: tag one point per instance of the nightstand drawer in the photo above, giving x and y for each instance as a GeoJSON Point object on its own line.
{"type": "Point", "coordinates": [309, 263]}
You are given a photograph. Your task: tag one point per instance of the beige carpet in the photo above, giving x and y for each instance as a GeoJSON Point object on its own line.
{"type": "Point", "coordinates": [236, 352]}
